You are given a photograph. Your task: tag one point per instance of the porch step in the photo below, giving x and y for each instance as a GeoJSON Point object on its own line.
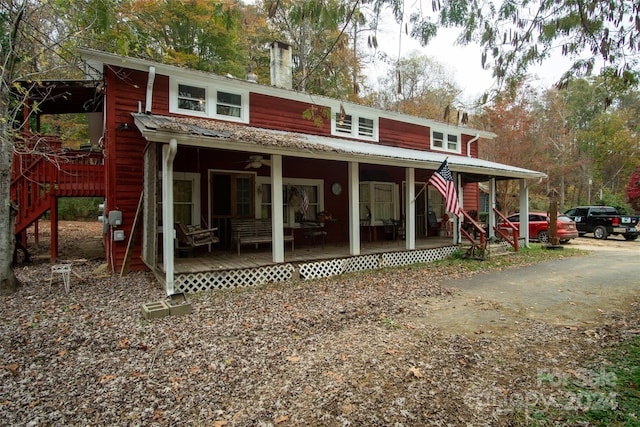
{"type": "Point", "coordinates": [493, 249]}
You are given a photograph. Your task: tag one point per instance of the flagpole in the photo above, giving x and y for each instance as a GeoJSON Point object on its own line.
{"type": "Point", "coordinates": [424, 187]}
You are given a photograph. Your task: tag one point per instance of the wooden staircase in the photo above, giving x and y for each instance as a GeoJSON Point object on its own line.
{"type": "Point", "coordinates": [42, 171]}
{"type": "Point", "coordinates": [476, 244]}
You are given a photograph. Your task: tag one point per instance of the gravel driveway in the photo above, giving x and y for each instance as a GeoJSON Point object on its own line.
{"type": "Point", "coordinates": [568, 292]}
{"type": "Point", "coordinates": [401, 347]}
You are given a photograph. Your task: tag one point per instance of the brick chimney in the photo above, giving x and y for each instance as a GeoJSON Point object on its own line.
{"type": "Point", "coordinates": [281, 67]}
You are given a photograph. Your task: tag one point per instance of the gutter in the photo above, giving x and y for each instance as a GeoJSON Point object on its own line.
{"type": "Point", "coordinates": [474, 139]}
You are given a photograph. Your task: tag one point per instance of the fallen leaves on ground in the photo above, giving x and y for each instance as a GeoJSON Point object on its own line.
{"type": "Point", "coordinates": [306, 353]}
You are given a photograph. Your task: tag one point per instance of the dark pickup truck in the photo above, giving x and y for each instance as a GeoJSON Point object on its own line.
{"type": "Point", "coordinates": [603, 221]}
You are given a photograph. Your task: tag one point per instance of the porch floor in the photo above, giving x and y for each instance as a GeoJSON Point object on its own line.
{"type": "Point", "coordinates": [250, 257]}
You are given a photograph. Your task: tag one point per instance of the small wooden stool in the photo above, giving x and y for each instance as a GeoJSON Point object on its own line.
{"type": "Point", "coordinates": [65, 271]}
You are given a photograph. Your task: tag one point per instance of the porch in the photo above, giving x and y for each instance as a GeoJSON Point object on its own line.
{"type": "Point", "coordinates": [225, 269]}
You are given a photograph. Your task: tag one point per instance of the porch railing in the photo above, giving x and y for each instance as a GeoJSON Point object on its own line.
{"type": "Point", "coordinates": [507, 230]}
{"type": "Point", "coordinates": [472, 226]}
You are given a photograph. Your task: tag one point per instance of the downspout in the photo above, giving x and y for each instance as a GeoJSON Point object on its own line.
{"type": "Point", "coordinates": [168, 154]}
{"type": "Point", "coordinates": [472, 140]}
{"type": "Point", "coordinates": [149, 101]}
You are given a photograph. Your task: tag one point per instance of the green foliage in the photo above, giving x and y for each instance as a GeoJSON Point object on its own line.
{"type": "Point", "coordinates": [600, 396]}
{"type": "Point", "coordinates": [516, 34]}
{"type": "Point", "coordinates": [317, 114]}
{"type": "Point", "coordinates": [78, 208]}
{"type": "Point", "coordinates": [317, 29]}
{"type": "Point", "coordinates": [456, 264]}
{"type": "Point", "coordinates": [386, 321]}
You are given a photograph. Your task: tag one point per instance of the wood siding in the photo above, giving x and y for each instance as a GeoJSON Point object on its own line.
{"type": "Point", "coordinates": [124, 160]}
{"type": "Point", "coordinates": [277, 113]}
{"type": "Point", "coordinates": [470, 197]}
{"type": "Point", "coordinates": [405, 135]}
{"type": "Point", "coordinates": [126, 93]}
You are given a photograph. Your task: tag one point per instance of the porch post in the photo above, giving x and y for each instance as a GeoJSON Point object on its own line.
{"type": "Point", "coordinates": [524, 211]}
{"type": "Point", "coordinates": [492, 204]}
{"type": "Point", "coordinates": [456, 220]}
{"type": "Point", "coordinates": [168, 154]}
{"type": "Point", "coordinates": [277, 218]}
{"type": "Point", "coordinates": [354, 208]}
{"type": "Point", "coordinates": [410, 209]}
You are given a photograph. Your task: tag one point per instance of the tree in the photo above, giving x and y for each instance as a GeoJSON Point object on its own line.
{"type": "Point", "coordinates": [613, 150]}
{"type": "Point", "coordinates": [15, 47]}
{"type": "Point", "coordinates": [419, 86]}
{"type": "Point", "coordinates": [33, 45]}
{"type": "Point", "coordinates": [512, 116]}
{"type": "Point", "coordinates": [633, 190]}
{"type": "Point", "coordinates": [514, 34]}
{"type": "Point", "coordinates": [324, 61]}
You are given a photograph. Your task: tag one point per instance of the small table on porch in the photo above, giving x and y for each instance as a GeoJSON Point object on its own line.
{"type": "Point", "coordinates": [313, 229]}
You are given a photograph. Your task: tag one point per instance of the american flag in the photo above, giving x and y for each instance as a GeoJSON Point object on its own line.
{"type": "Point", "coordinates": [442, 180]}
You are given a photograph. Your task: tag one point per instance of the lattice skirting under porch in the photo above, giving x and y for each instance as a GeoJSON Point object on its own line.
{"type": "Point", "coordinates": [213, 280]}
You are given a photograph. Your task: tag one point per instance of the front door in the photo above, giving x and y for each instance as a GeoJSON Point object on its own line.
{"type": "Point", "coordinates": [231, 197]}
{"type": "Point", "coordinates": [421, 207]}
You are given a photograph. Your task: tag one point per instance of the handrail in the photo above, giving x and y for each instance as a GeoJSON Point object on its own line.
{"type": "Point", "coordinates": [42, 168]}
{"type": "Point", "coordinates": [477, 227]}
{"type": "Point", "coordinates": [505, 236]}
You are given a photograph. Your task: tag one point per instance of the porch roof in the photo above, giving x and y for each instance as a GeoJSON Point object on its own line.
{"type": "Point", "coordinates": [230, 136]}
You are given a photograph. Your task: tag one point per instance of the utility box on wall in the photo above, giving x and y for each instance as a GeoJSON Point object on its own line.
{"type": "Point", "coordinates": [115, 218]}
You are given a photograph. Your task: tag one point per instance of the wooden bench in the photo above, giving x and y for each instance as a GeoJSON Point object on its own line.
{"type": "Point", "coordinates": [254, 231]}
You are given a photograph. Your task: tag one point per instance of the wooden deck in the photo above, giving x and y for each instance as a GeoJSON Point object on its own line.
{"type": "Point", "coordinates": [250, 257]}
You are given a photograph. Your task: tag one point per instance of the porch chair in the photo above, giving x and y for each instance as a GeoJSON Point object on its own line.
{"type": "Point", "coordinates": [393, 228]}
{"type": "Point", "coordinates": [433, 226]}
{"type": "Point", "coordinates": [190, 239]}
{"type": "Point", "coordinates": [390, 229]}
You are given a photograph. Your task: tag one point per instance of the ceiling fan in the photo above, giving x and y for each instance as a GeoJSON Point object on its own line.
{"type": "Point", "coordinates": [257, 161]}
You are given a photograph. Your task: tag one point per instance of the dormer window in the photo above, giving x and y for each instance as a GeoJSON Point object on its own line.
{"type": "Point", "coordinates": [365, 127]}
{"type": "Point", "coordinates": [355, 126]}
{"type": "Point", "coordinates": [209, 100]}
{"type": "Point", "coordinates": [192, 98]}
{"type": "Point", "coordinates": [229, 104]}
{"type": "Point", "coordinates": [344, 124]}
{"type": "Point", "coordinates": [445, 141]}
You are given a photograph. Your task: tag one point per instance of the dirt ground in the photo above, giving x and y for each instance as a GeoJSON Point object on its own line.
{"type": "Point", "coordinates": [559, 294]}
{"type": "Point", "coordinates": [77, 240]}
{"type": "Point", "coordinates": [405, 347]}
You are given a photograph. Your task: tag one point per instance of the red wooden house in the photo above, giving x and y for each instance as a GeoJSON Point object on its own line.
{"type": "Point", "coordinates": [266, 162]}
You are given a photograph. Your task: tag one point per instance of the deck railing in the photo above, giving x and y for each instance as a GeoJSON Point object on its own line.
{"type": "Point", "coordinates": [42, 169]}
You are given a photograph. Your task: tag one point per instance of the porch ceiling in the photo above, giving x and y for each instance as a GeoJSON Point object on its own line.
{"type": "Point", "coordinates": [229, 136]}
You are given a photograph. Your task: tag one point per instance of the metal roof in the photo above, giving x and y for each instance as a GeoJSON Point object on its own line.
{"type": "Point", "coordinates": [214, 134]}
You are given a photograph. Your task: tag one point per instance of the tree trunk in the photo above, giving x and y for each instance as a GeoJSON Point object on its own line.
{"type": "Point", "coordinates": [8, 281]}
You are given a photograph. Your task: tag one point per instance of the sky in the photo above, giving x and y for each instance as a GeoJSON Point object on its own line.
{"type": "Point", "coordinates": [464, 62]}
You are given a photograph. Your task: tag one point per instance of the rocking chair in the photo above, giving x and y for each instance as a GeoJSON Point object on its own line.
{"type": "Point", "coordinates": [189, 240]}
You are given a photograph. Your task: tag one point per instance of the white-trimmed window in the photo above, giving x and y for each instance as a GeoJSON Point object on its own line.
{"type": "Point", "coordinates": [192, 98]}
{"type": "Point", "coordinates": [443, 141]}
{"type": "Point", "coordinates": [229, 104]}
{"type": "Point", "coordinates": [208, 100]}
{"type": "Point", "coordinates": [378, 201]}
{"type": "Point", "coordinates": [302, 199]}
{"type": "Point", "coordinates": [355, 126]}
{"type": "Point", "coordinates": [186, 197]}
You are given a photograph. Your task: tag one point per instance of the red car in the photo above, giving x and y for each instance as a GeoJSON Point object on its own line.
{"type": "Point", "coordinates": [539, 226]}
